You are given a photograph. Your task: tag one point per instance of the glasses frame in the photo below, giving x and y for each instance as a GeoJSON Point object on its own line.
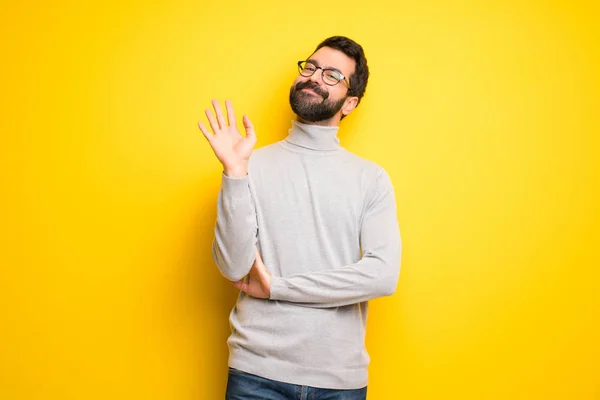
{"type": "Point", "coordinates": [300, 69]}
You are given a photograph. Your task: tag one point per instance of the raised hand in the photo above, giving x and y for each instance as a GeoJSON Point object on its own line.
{"type": "Point", "coordinates": [231, 148]}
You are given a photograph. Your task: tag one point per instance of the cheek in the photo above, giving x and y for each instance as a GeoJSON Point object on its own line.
{"type": "Point", "coordinates": [336, 94]}
{"type": "Point", "coordinates": [299, 78]}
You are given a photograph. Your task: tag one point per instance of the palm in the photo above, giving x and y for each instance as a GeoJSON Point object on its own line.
{"type": "Point", "coordinates": [230, 147]}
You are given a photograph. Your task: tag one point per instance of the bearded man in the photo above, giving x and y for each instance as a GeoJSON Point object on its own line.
{"type": "Point", "coordinates": [309, 233]}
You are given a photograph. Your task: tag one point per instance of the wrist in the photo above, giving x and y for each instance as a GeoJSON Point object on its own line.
{"type": "Point", "coordinates": [273, 282]}
{"type": "Point", "coordinates": [236, 171]}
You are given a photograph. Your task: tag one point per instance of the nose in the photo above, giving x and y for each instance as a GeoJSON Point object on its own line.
{"type": "Point", "coordinates": [317, 76]}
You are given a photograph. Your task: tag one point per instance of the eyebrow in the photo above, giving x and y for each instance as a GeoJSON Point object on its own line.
{"type": "Point", "coordinates": [329, 68]}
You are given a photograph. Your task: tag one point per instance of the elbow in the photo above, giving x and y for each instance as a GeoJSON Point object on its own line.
{"type": "Point", "coordinates": [393, 267]}
{"type": "Point", "coordinates": [230, 272]}
{"type": "Point", "coordinates": [231, 275]}
{"type": "Point", "coordinates": [384, 286]}
{"type": "Point", "coordinates": [388, 287]}
{"type": "Point", "coordinates": [229, 269]}
{"type": "Point", "coordinates": [389, 282]}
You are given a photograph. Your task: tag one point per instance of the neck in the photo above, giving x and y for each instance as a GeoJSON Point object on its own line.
{"type": "Point", "coordinates": [333, 121]}
{"type": "Point", "coordinates": [313, 136]}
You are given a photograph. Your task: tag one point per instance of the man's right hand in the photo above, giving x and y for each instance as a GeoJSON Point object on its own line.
{"type": "Point", "coordinates": [232, 149]}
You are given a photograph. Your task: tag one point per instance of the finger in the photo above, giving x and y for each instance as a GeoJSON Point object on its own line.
{"type": "Point", "coordinates": [249, 128]}
{"type": "Point", "coordinates": [258, 257]}
{"type": "Point", "coordinates": [230, 114]}
{"type": "Point", "coordinates": [214, 125]}
{"type": "Point", "coordinates": [205, 131]}
{"type": "Point", "coordinates": [259, 269]}
{"type": "Point", "coordinates": [220, 117]}
{"type": "Point", "coordinates": [240, 285]}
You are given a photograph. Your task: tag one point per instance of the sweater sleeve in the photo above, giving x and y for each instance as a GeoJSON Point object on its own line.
{"type": "Point", "coordinates": [375, 275]}
{"type": "Point", "coordinates": [236, 228]}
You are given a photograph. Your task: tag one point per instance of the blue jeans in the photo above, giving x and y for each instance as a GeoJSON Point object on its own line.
{"type": "Point", "coordinates": [244, 386]}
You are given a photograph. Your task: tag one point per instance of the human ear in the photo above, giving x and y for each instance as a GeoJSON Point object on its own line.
{"type": "Point", "coordinates": [349, 105]}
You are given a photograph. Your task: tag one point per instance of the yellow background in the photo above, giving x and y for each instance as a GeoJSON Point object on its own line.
{"type": "Point", "coordinates": [484, 115]}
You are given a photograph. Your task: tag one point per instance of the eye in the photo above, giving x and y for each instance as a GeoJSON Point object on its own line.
{"type": "Point", "coordinates": [333, 75]}
{"type": "Point", "coordinates": [309, 67]}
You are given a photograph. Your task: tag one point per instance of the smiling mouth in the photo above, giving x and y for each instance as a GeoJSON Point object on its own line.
{"type": "Point", "coordinates": [308, 90]}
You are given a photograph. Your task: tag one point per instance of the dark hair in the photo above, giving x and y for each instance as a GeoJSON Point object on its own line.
{"type": "Point", "coordinates": [360, 77]}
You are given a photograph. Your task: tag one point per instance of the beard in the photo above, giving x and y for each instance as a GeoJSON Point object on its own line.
{"type": "Point", "coordinates": [309, 107]}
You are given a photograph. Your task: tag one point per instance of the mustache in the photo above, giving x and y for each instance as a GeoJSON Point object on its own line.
{"type": "Point", "coordinates": [314, 87]}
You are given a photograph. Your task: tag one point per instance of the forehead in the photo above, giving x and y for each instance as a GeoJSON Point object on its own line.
{"type": "Point", "coordinates": [327, 57]}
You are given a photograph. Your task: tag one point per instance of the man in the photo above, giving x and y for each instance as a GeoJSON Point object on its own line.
{"type": "Point", "coordinates": [308, 232]}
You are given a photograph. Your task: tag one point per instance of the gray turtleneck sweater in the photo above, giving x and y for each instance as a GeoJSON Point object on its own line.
{"type": "Point", "coordinates": [324, 221]}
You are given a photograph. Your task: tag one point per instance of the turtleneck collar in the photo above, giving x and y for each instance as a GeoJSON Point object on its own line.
{"type": "Point", "coordinates": [313, 137]}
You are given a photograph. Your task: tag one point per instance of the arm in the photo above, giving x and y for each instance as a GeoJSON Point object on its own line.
{"type": "Point", "coordinates": [236, 228]}
{"type": "Point", "coordinates": [375, 275]}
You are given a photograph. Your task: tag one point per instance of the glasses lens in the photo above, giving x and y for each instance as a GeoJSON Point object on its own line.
{"type": "Point", "coordinates": [306, 68]}
{"type": "Point", "coordinates": [331, 77]}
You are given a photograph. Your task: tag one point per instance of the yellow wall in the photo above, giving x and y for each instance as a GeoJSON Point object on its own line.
{"type": "Point", "coordinates": [485, 116]}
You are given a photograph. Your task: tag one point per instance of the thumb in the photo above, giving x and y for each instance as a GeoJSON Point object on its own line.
{"type": "Point", "coordinates": [257, 253]}
{"type": "Point", "coordinates": [249, 128]}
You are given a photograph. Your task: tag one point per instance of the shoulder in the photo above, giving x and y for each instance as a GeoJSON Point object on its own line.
{"type": "Point", "coordinates": [365, 166]}
{"type": "Point", "coordinates": [376, 183]}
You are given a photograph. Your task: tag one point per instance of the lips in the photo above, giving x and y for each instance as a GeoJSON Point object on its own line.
{"type": "Point", "coordinates": [312, 88]}
{"type": "Point", "coordinates": [308, 90]}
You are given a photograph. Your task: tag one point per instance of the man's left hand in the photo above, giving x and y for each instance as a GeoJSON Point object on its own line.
{"type": "Point", "coordinates": [258, 282]}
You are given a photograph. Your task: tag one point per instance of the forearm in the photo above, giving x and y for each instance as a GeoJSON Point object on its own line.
{"type": "Point", "coordinates": [373, 276]}
{"type": "Point", "coordinates": [236, 228]}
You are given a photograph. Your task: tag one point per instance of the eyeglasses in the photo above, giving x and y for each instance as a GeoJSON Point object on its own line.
{"type": "Point", "coordinates": [330, 76]}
